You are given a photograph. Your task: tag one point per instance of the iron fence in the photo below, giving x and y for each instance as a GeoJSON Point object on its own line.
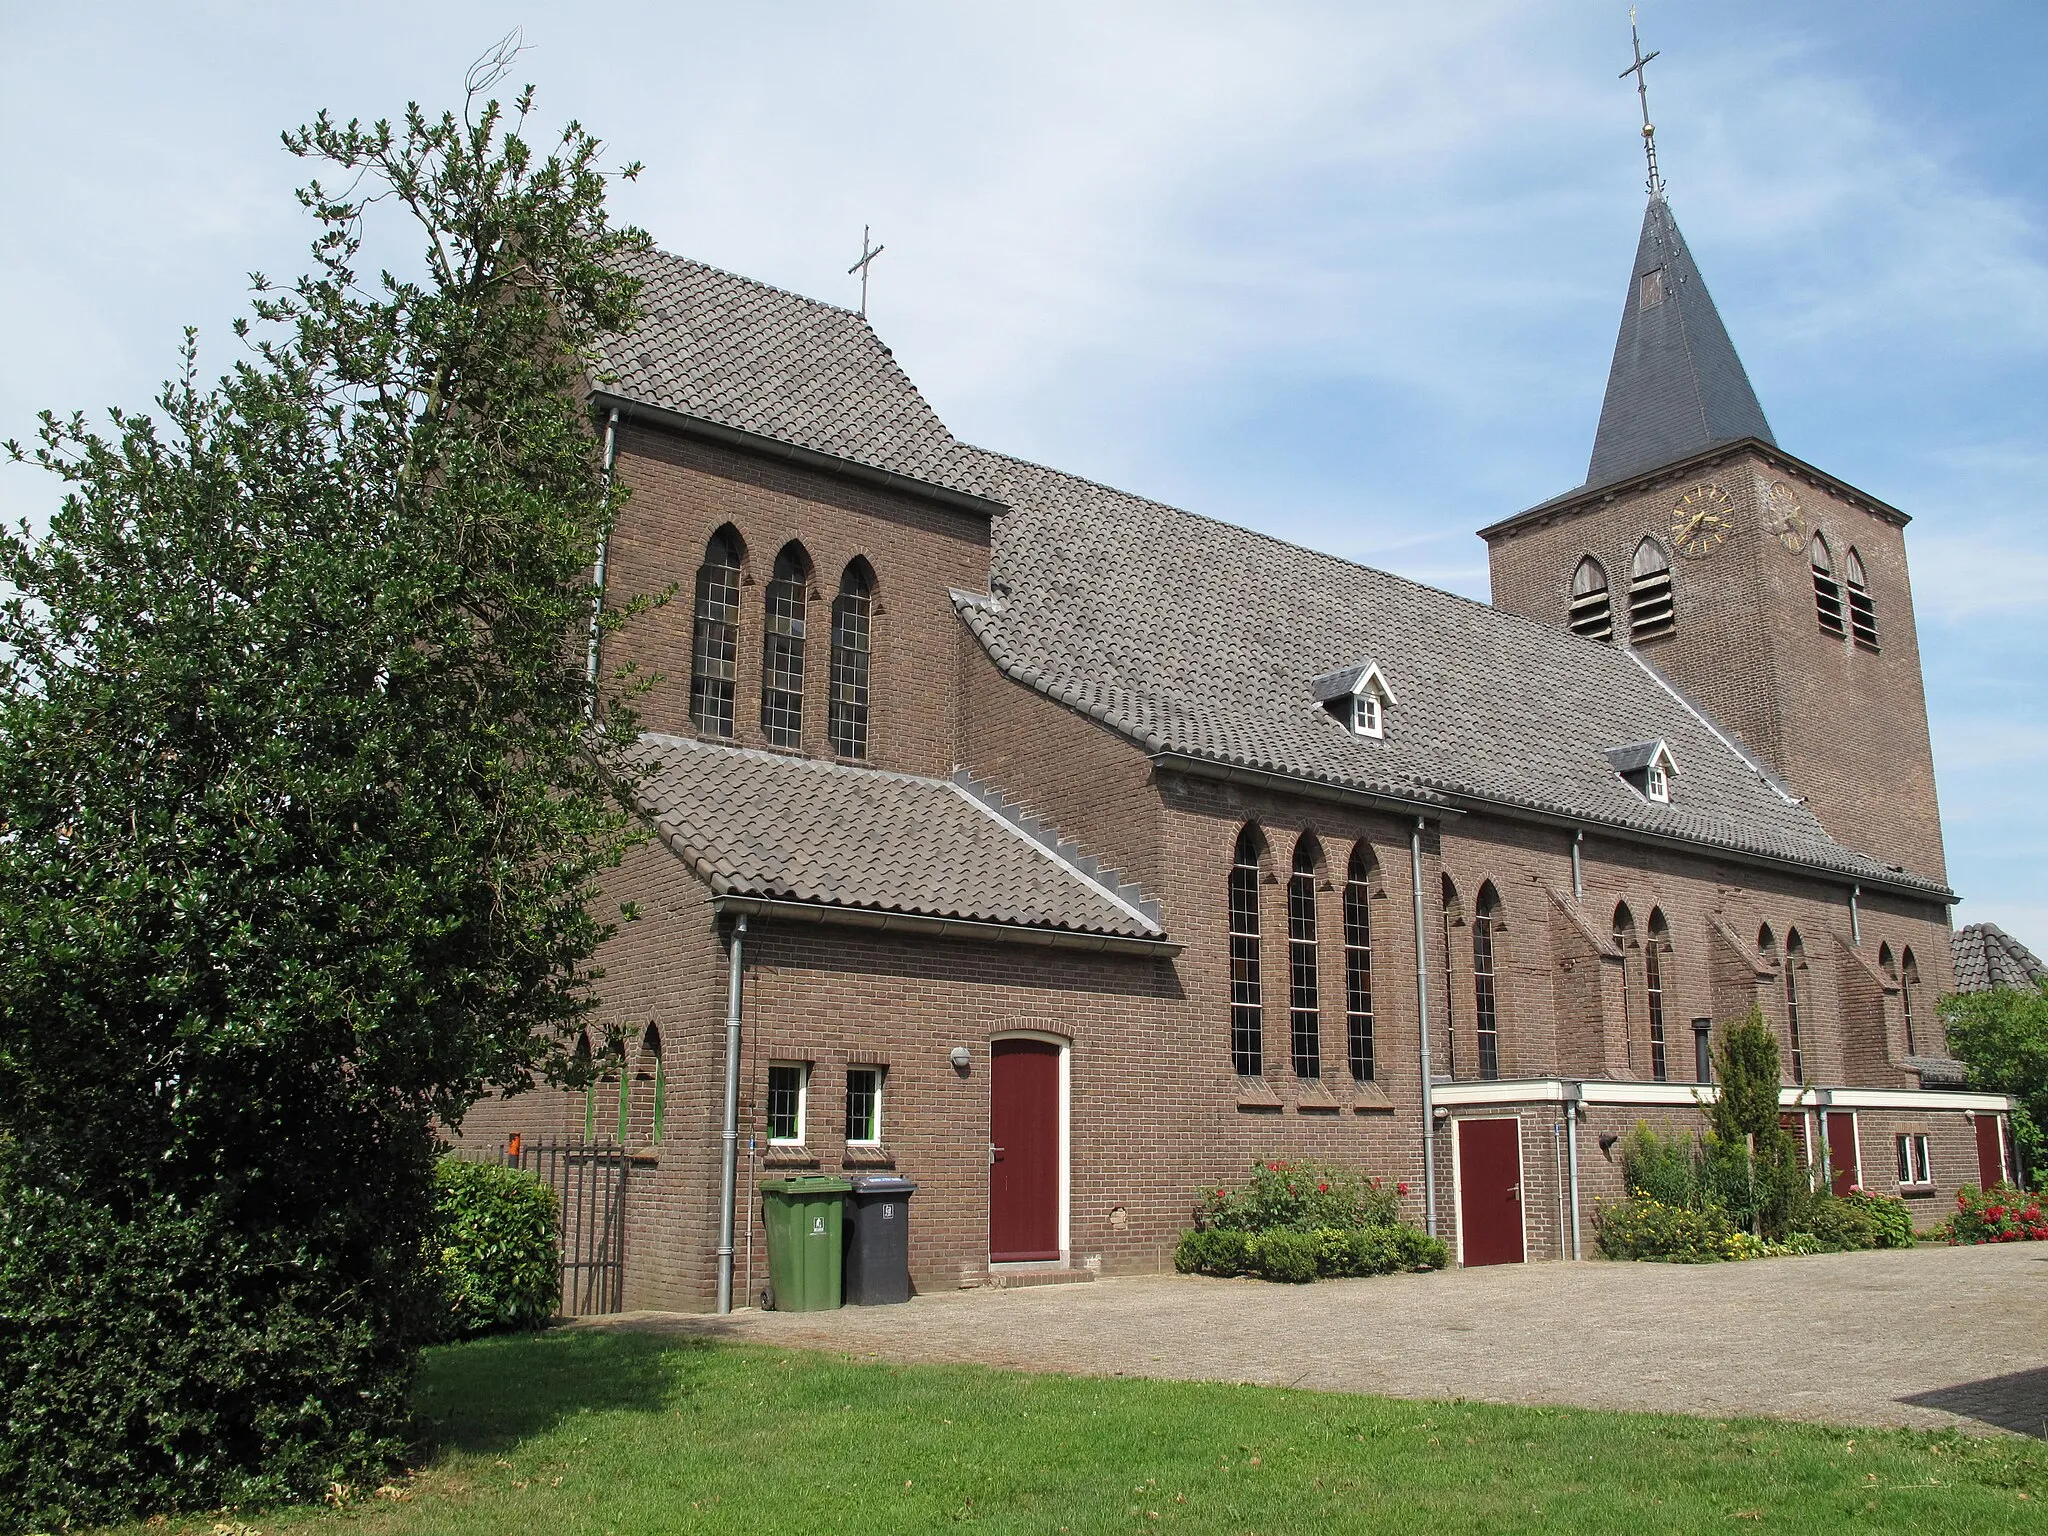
{"type": "Point", "coordinates": [589, 1181]}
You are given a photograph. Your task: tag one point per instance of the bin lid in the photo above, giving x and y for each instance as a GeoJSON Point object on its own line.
{"type": "Point", "coordinates": [806, 1184]}
{"type": "Point", "coordinates": [881, 1184]}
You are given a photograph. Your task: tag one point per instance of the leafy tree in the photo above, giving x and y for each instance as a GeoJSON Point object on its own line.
{"type": "Point", "coordinates": [305, 793]}
{"type": "Point", "coordinates": [2002, 1036]}
{"type": "Point", "coordinates": [1752, 1166]}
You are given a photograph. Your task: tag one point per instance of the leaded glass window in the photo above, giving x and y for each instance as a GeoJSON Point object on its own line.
{"type": "Point", "coordinates": [715, 645]}
{"type": "Point", "coordinates": [782, 651]}
{"type": "Point", "coordinates": [1247, 1043]}
{"type": "Point", "coordinates": [1358, 964]}
{"type": "Point", "coordinates": [852, 614]}
{"type": "Point", "coordinates": [1304, 1005]}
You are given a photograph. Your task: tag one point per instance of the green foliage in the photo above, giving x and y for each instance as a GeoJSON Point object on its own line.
{"type": "Point", "coordinates": [1288, 1257]}
{"type": "Point", "coordinates": [497, 1259]}
{"type": "Point", "coordinates": [1891, 1219]}
{"type": "Point", "coordinates": [1645, 1228]}
{"type": "Point", "coordinates": [1299, 1196]}
{"type": "Point", "coordinates": [1762, 1184]}
{"type": "Point", "coordinates": [305, 803]}
{"type": "Point", "coordinates": [1834, 1223]}
{"type": "Point", "coordinates": [1666, 1168]}
{"type": "Point", "coordinates": [1215, 1251]}
{"type": "Point", "coordinates": [1330, 1252]}
{"type": "Point", "coordinates": [2001, 1214]}
{"type": "Point", "coordinates": [2002, 1035]}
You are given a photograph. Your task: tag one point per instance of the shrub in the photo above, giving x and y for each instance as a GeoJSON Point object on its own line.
{"type": "Point", "coordinates": [1289, 1257]}
{"type": "Point", "coordinates": [1220, 1253]}
{"type": "Point", "coordinates": [1666, 1168]}
{"type": "Point", "coordinates": [1891, 1219]}
{"type": "Point", "coordinates": [1835, 1224]}
{"type": "Point", "coordinates": [1299, 1196]}
{"type": "Point", "coordinates": [2001, 1214]}
{"type": "Point", "coordinates": [1642, 1228]}
{"type": "Point", "coordinates": [496, 1256]}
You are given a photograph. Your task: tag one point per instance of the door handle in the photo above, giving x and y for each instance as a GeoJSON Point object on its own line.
{"type": "Point", "coordinates": [993, 1152]}
{"type": "Point", "coordinates": [1515, 1193]}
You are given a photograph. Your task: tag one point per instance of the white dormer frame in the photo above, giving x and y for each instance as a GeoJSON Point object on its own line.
{"type": "Point", "coordinates": [1370, 697]}
{"type": "Point", "coordinates": [1657, 783]}
{"type": "Point", "coordinates": [1649, 776]}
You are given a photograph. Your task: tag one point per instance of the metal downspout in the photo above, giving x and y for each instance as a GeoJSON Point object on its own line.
{"type": "Point", "coordinates": [1578, 871]}
{"type": "Point", "coordinates": [730, 1186]}
{"type": "Point", "coordinates": [1422, 1027]}
{"type": "Point", "coordinates": [1571, 1109]}
{"type": "Point", "coordinates": [611, 457]}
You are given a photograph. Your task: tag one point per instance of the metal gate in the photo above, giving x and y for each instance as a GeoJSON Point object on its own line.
{"type": "Point", "coordinates": [589, 1181]}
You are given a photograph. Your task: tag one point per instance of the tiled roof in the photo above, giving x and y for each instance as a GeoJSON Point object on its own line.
{"type": "Point", "coordinates": [764, 825]}
{"type": "Point", "coordinates": [1199, 638]}
{"type": "Point", "coordinates": [743, 355]}
{"type": "Point", "coordinates": [1676, 385]}
{"type": "Point", "coordinates": [1987, 956]}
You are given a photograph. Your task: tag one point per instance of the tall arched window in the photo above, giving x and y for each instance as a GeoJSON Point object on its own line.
{"type": "Point", "coordinates": [1909, 983]}
{"type": "Point", "coordinates": [851, 614]}
{"type": "Point", "coordinates": [1625, 940]}
{"type": "Point", "coordinates": [1485, 1009]}
{"type": "Point", "coordinates": [1649, 593]}
{"type": "Point", "coordinates": [1592, 612]}
{"type": "Point", "coordinates": [1862, 606]}
{"type": "Point", "coordinates": [650, 1089]}
{"type": "Point", "coordinates": [714, 646]}
{"type": "Point", "coordinates": [1358, 962]}
{"type": "Point", "coordinates": [1247, 1031]}
{"type": "Point", "coordinates": [1653, 989]}
{"type": "Point", "coordinates": [1827, 591]}
{"type": "Point", "coordinates": [585, 1069]}
{"type": "Point", "coordinates": [1304, 1006]}
{"type": "Point", "coordinates": [1795, 961]}
{"type": "Point", "coordinates": [1454, 918]}
{"type": "Point", "coordinates": [782, 649]}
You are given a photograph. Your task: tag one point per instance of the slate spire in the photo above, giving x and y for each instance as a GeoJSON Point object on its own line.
{"type": "Point", "coordinates": [1676, 386]}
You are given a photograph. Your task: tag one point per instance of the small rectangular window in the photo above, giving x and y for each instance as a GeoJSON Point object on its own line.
{"type": "Point", "coordinates": [1650, 291]}
{"type": "Point", "coordinates": [1916, 1169]}
{"type": "Point", "coordinates": [788, 1088]}
{"type": "Point", "coordinates": [863, 1106]}
{"type": "Point", "coordinates": [1366, 719]}
{"type": "Point", "coordinates": [1702, 1051]}
{"type": "Point", "coordinates": [1657, 784]}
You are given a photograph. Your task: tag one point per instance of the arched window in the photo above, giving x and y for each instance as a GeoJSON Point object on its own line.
{"type": "Point", "coordinates": [650, 1089]}
{"type": "Point", "coordinates": [1909, 983]}
{"type": "Point", "coordinates": [585, 1070]}
{"type": "Point", "coordinates": [1653, 988]}
{"type": "Point", "coordinates": [1247, 1042]}
{"type": "Point", "coordinates": [1767, 943]}
{"type": "Point", "coordinates": [1304, 1007]}
{"type": "Point", "coordinates": [1862, 606]}
{"type": "Point", "coordinates": [782, 649]}
{"type": "Point", "coordinates": [851, 613]}
{"type": "Point", "coordinates": [1485, 1010]}
{"type": "Point", "coordinates": [1358, 962]}
{"type": "Point", "coordinates": [1592, 612]}
{"type": "Point", "coordinates": [1795, 961]}
{"type": "Point", "coordinates": [1649, 593]}
{"type": "Point", "coordinates": [1454, 918]}
{"type": "Point", "coordinates": [714, 647]}
{"type": "Point", "coordinates": [1827, 591]}
{"type": "Point", "coordinates": [1625, 940]}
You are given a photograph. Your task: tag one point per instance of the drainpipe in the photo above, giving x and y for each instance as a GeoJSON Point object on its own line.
{"type": "Point", "coordinates": [1422, 1027]}
{"type": "Point", "coordinates": [728, 1197]}
{"type": "Point", "coordinates": [1578, 872]}
{"type": "Point", "coordinates": [611, 457]}
{"type": "Point", "coordinates": [1856, 916]}
{"type": "Point", "coordinates": [1571, 1111]}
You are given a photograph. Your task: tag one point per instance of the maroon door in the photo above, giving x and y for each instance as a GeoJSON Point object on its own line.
{"type": "Point", "coordinates": [1990, 1151]}
{"type": "Point", "coordinates": [1490, 1191]}
{"type": "Point", "coordinates": [1842, 1150]}
{"type": "Point", "coordinates": [1024, 1151]}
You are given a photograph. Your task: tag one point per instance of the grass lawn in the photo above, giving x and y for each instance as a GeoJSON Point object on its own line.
{"type": "Point", "coordinates": [583, 1432]}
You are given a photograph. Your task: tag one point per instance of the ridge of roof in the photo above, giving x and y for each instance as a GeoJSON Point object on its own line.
{"type": "Point", "coordinates": [1987, 957]}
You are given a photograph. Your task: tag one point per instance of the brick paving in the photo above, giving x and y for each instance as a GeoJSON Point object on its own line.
{"type": "Point", "coordinates": [1930, 1337]}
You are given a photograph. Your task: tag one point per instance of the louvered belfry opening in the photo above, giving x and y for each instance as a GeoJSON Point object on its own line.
{"type": "Point", "coordinates": [1650, 611]}
{"type": "Point", "coordinates": [1592, 609]}
{"type": "Point", "coordinates": [1827, 591]}
{"type": "Point", "coordinates": [1862, 606]}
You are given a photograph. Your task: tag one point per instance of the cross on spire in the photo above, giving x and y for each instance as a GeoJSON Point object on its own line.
{"type": "Point", "coordinates": [1656, 181]}
{"type": "Point", "coordinates": [861, 267]}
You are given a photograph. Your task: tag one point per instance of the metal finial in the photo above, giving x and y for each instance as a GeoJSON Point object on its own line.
{"type": "Point", "coordinates": [861, 267]}
{"type": "Point", "coordinates": [1656, 181]}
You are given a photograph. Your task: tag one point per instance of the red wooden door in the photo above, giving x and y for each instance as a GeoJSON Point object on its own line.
{"type": "Point", "coordinates": [1990, 1151]}
{"type": "Point", "coordinates": [1024, 1151]}
{"type": "Point", "coordinates": [1842, 1151]}
{"type": "Point", "coordinates": [1490, 1191]}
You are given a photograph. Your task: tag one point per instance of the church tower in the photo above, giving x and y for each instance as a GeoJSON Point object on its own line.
{"type": "Point", "coordinates": [1771, 595]}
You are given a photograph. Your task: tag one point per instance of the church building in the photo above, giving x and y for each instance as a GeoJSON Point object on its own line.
{"type": "Point", "coordinates": [1065, 852]}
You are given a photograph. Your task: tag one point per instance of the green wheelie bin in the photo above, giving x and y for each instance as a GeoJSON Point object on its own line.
{"type": "Point", "coordinates": [805, 1217]}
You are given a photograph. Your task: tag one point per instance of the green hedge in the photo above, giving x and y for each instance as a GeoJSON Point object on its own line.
{"type": "Point", "coordinates": [1297, 1257]}
{"type": "Point", "coordinates": [498, 1261]}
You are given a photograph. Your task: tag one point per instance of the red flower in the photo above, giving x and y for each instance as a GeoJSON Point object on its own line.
{"type": "Point", "coordinates": [1996, 1212]}
{"type": "Point", "coordinates": [1272, 1167]}
{"type": "Point", "coordinates": [1322, 1189]}
{"type": "Point", "coordinates": [2031, 1213]}
{"type": "Point", "coordinates": [1400, 1189]}
{"type": "Point", "coordinates": [1962, 1202]}
{"type": "Point", "coordinates": [1219, 1194]}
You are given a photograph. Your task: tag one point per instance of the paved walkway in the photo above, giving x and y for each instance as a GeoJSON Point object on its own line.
{"type": "Point", "coordinates": [1933, 1337]}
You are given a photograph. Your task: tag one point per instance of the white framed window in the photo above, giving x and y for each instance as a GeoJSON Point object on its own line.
{"type": "Point", "coordinates": [864, 1106]}
{"type": "Point", "coordinates": [1368, 718]}
{"type": "Point", "coordinates": [1915, 1168]}
{"type": "Point", "coordinates": [1657, 784]}
{"type": "Point", "coordinates": [789, 1089]}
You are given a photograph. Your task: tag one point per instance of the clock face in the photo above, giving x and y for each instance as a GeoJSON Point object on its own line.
{"type": "Point", "coordinates": [1703, 518]}
{"type": "Point", "coordinates": [1784, 517]}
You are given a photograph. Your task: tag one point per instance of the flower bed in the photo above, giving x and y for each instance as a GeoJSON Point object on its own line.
{"type": "Point", "coordinates": [2001, 1214]}
{"type": "Point", "coordinates": [1299, 1221]}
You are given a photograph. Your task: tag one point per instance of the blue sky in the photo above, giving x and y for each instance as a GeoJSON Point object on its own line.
{"type": "Point", "coordinates": [1348, 273]}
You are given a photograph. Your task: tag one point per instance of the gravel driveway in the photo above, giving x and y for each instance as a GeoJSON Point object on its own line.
{"type": "Point", "coordinates": [1933, 1337]}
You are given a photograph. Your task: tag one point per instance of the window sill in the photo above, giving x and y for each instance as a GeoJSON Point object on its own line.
{"type": "Point", "coordinates": [788, 1155]}
{"type": "Point", "coordinates": [1916, 1191]}
{"type": "Point", "coordinates": [871, 1154]}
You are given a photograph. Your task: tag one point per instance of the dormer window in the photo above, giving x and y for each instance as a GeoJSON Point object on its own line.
{"type": "Point", "coordinates": [1357, 697]}
{"type": "Point", "coordinates": [1648, 767]}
